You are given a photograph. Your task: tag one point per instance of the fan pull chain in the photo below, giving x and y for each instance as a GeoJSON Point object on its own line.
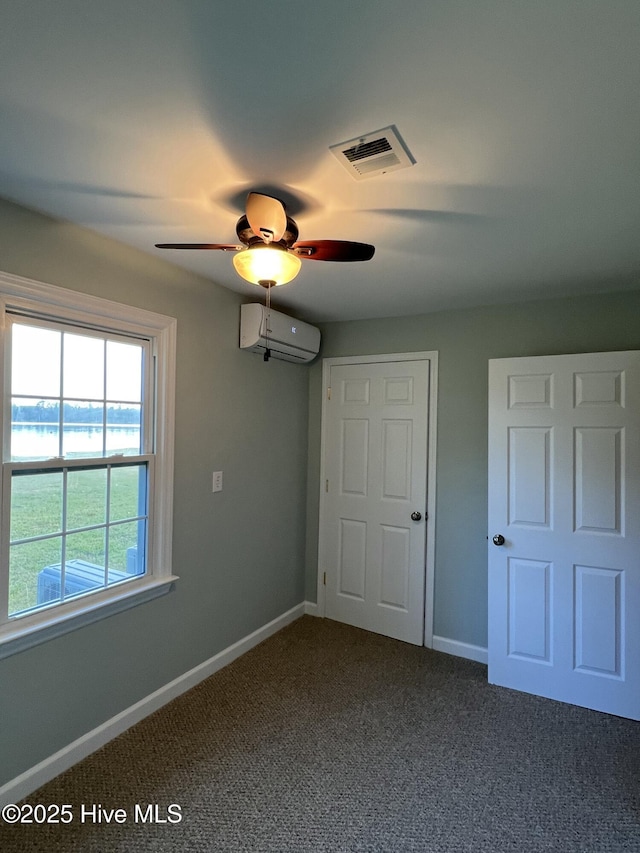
{"type": "Point", "coordinates": [267, 352]}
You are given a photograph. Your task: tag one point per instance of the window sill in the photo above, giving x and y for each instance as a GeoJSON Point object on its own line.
{"type": "Point", "coordinates": [18, 637]}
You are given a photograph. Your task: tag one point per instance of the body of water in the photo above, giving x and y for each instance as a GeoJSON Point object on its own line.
{"type": "Point", "coordinates": [42, 441]}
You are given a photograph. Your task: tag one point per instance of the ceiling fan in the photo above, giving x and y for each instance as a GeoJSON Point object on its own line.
{"type": "Point", "coordinates": [269, 252]}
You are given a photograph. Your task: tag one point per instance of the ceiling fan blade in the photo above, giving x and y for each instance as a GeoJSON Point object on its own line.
{"type": "Point", "coordinates": [223, 247]}
{"type": "Point", "coordinates": [267, 217]}
{"type": "Point", "coordinates": [333, 250]}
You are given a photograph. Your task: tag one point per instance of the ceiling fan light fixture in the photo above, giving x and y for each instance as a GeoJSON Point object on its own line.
{"type": "Point", "coordinates": [267, 263]}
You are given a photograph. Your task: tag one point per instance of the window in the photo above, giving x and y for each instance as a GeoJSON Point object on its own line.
{"type": "Point", "coordinates": [87, 435]}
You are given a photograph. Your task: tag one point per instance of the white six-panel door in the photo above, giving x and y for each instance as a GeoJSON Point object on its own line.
{"type": "Point", "coordinates": [374, 478]}
{"type": "Point", "coordinates": [564, 492]}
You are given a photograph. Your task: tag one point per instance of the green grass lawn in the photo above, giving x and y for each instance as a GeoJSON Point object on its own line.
{"type": "Point", "coordinates": [39, 507]}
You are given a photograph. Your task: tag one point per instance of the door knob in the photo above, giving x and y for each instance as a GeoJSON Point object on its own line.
{"type": "Point", "coordinates": [416, 516]}
{"type": "Point", "coordinates": [498, 539]}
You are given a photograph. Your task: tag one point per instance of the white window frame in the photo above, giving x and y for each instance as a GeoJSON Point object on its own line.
{"type": "Point", "coordinates": [49, 302]}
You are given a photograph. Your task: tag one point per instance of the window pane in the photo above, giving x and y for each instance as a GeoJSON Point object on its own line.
{"type": "Point", "coordinates": [86, 498]}
{"type": "Point", "coordinates": [34, 410]}
{"type": "Point", "coordinates": [126, 416]}
{"type": "Point", "coordinates": [128, 492]}
{"type": "Point", "coordinates": [126, 549]}
{"type": "Point", "coordinates": [124, 372]}
{"type": "Point", "coordinates": [34, 574]}
{"type": "Point", "coordinates": [83, 374]}
{"type": "Point", "coordinates": [82, 413]}
{"type": "Point", "coordinates": [36, 504]}
{"type": "Point", "coordinates": [123, 437]}
{"type": "Point", "coordinates": [82, 437]}
{"type": "Point", "coordinates": [35, 361]}
{"type": "Point", "coordinates": [38, 439]}
{"type": "Point", "coordinates": [81, 577]}
{"type": "Point", "coordinates": [88, 547]}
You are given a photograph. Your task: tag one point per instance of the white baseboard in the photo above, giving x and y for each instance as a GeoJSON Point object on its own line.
{"type": "Point", "coordinates": [461, 650]}
{"type": "Point", "coordinates": [31, 779]}
{"type": "Point", "coordinates": [310, 608]}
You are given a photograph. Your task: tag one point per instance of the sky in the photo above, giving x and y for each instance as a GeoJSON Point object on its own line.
{"type": "Point", "coordinates": [49, 363]}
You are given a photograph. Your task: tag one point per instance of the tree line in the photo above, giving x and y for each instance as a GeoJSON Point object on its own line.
{"type": "Point", "coordinates": [44, 412]}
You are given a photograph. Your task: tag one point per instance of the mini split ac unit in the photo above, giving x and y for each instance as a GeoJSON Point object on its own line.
{"type": "Point", "coordinates": [285, 337]}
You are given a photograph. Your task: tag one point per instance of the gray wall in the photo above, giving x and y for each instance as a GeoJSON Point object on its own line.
{"type": "Point", "coordinates": [465, 341]}
{"type": "Point", "coordinates": [239, 554]}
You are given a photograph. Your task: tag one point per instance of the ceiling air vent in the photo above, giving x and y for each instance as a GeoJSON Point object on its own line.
{"type": "Point", "coordinates": [373, 153]}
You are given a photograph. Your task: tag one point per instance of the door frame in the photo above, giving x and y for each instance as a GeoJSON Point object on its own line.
{"type": "Point", "coordinates": [430, 522]}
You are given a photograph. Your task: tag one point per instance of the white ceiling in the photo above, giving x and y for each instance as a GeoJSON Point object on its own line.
{"type": "Point", "coordinates": [149, 120]}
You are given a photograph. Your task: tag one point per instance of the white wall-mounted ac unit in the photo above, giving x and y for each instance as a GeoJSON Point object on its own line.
{"type": "Point", "coordinates": [285, 337]}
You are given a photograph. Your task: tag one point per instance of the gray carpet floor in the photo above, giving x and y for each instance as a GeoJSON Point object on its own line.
{"type": "Point", "coordinates": [328, 738]}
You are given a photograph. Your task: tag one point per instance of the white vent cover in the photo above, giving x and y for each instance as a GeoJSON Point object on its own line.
{"type": "Point", "coordinates": [373, 153]}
